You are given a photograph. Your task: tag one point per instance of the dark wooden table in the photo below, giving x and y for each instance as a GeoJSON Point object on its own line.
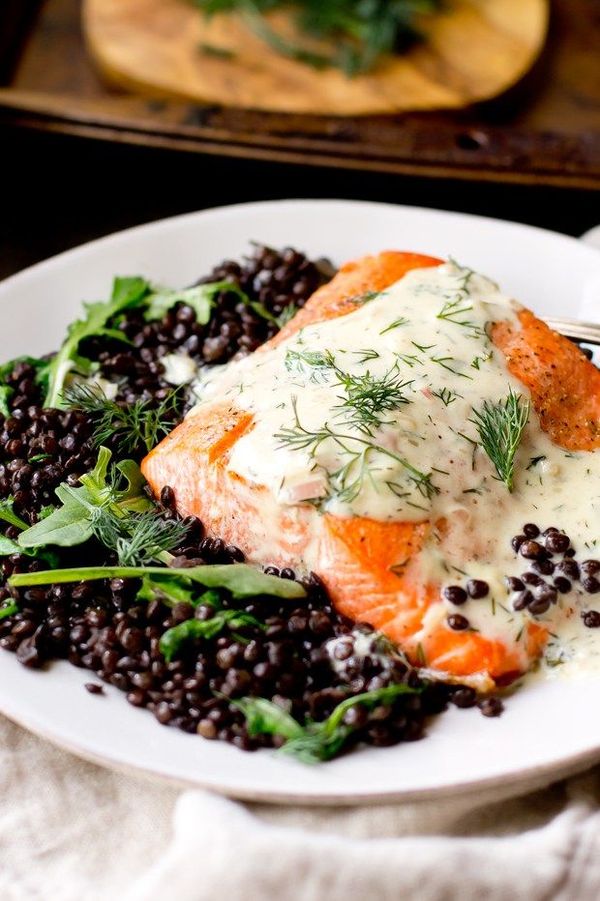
{"type": "Point", "coordinates": [60, 191]}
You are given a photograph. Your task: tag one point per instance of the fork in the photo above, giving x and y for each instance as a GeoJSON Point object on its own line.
{"type": "Point", "coordinates": [574, 328]}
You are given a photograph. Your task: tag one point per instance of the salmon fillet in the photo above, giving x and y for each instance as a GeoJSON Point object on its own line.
{"type": "Point", "coordinates": [357, 558]}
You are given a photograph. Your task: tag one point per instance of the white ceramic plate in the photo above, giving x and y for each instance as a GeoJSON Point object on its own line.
{"type": "Point", "coordinates": [548, 730]}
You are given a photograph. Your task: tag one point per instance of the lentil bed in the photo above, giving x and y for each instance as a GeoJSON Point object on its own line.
{"type": "Point", "coordinates": [101, 627]}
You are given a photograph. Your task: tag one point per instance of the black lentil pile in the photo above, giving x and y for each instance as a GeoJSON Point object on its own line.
{"type": "Point", "coordinates": [101, 627]}
{"type": "Point", "coordinates": [282, 281]}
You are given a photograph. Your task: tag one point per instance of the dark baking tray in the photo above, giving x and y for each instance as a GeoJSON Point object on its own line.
{"type": "Point", "coordinates": [545, 131]}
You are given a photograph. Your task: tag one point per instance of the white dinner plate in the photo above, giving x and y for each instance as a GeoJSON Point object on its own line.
{"type": "Point", "coordinates": [549, 728]}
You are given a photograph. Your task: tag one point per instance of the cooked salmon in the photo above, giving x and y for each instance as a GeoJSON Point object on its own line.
{"type": "Point", "coordinates": [373, 569]}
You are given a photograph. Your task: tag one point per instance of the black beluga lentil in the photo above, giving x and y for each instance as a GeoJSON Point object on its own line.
{"type": "Point", "coordinates": [102, 628]}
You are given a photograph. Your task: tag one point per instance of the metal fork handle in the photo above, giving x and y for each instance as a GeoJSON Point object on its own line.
{"type": "Point", "coordinates": [574, 328]}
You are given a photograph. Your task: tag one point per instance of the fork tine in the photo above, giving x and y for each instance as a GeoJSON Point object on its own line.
{"type": "Point", "coordinates": [573, 328]}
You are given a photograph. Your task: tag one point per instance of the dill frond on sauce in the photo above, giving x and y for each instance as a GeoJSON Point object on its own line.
{"type": "Point", "coordinates": [347, 481]}
{"type": "Point", "coordinates": [500, 426]}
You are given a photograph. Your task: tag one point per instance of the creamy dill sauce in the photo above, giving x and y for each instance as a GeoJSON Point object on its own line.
{"type": "Point", "coordinates": [371, 414]}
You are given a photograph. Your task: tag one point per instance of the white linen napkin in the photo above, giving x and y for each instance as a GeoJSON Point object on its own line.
{"type": "Point", "coordinates": [71, 831]}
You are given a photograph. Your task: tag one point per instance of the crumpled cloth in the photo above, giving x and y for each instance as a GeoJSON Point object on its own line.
{"type": "Point", "coordinates": [72, 831]}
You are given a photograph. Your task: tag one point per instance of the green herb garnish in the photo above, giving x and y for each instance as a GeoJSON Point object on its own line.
{"type": "Point", "coordinates": [445, 362]}
{"type": "Point", "coordinates": [6, 391]}
{"type": "Point", "coordinates": [202, 300]}
{"type": "Point", "coordinates": [137, 538]}
{"type": "Point", "coordinates": [397, 323]}
{"type": "Point", "coordinates": [500, 426]}
{"type": "Point", "coordinates": [299, 438]}
{"type": "Point", "coordinates": [241, 580]}
{"type": "Point", "coordinates": [446, 395]}
{"type": "Point", "coordinates": [135, 426]}
{"type": "Point", "coordinates": [172, 640]}
{"type": "Point", "coordinates": [351, 35]}
{"type": "Point", "coordinates": [83, 509]}
{"type": "Point", "coordinates": [7, 514]}
{"type": "Point", "coordinates": [314, 742]}
{"type": "Point", "coordinates": [316, 363]}
{"type": "Point", "coordinates": [368, 398]}
{"type": "Point", "coordinates": [127, 293]}
{"type": "Point", "coordinates": [215, 51]}
{"type": "Point", "coordinates": [8, 608]}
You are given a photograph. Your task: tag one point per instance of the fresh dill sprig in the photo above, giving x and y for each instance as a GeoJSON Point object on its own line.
{"type": "Point", "coordinates": [366, 354]}
{"type": "Point", "coordinates": [316, 363]}
{"type": "Point", "coordinates": [500, 426]}
{"type": "Point", "coordinates": [397, 323]}
{"type": "Point", "coordinates": [478, 360]}
{"type": "Point", "coordinates": [132, 426]}
{"type": "Point", "coordinates": [457, 307]}
{"type": "Point", "coordinates": [446, 395]}
{"type": "Point", "coordinates": [455, 310]}
{"type": "Point", "coordinates": [368, 398]}
{"type": "Point", "coordinates": [297, 437]}
{"type": "Point", "coordinates": [409, 360]}
{"type": "Point", "coordinates": [287, 314]}
{"type": "Point", "coordinates": [444, 362]}
{"type": "Point", "coordinates": [137, 538]}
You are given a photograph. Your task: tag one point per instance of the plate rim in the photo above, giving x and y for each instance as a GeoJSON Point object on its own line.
{"type": "Point", "coordinates": [528, 779]}
{"type": "Point", "coordinates": [532, 776]}
{"type": "Point", "coordinates": [182, 218]}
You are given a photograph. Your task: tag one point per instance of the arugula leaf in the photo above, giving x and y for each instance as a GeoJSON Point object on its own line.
{"type": "Point", "coordinates": [242, 580]}
{"type": "Point", "coordinates": [171, 641]}
{"type": "Point", "coordinates": [171, 592]}
{"type": "Point", "coordinates": [8, 515]}
{"type": "Point", "coordinates": [8, 547]}
{"type": "Point", "coordinates": [6, 390]}
{"type": "Point", "coordinates": [263, 717]}
{"type": "Point", "coordinates": [202, 299]}
{"type": "Point", "coordinates": [74, 522]}
{"type": "Point", "coordinates": [8, 609]}
{"type": "Point", "coordinates": [314, 742]}
{"type": "Point", "coordinates": [126, 293]}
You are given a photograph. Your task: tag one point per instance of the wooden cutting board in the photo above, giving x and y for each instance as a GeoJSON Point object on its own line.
{"type": "Point", "coordinates": [474, 51]}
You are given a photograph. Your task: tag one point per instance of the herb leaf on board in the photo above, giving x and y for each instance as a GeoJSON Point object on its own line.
{"type": "Point", "coordinates": [351, 35]}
